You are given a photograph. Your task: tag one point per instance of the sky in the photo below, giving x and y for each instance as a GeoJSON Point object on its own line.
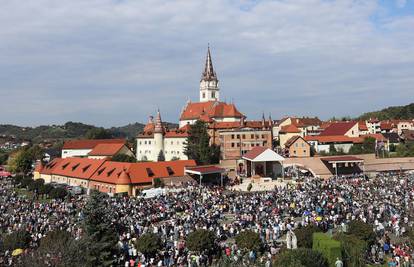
{"type": "Point", "coordinates": [114, 62]}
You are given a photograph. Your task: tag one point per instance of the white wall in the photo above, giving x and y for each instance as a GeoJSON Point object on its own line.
{"type": "Point", "coordinates": [67, 153]}
{"type": "Point", "coordinates": [174, 147]}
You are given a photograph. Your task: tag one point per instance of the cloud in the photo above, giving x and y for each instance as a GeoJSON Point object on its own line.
{"type": "Point", "coordinates": [110, 62]}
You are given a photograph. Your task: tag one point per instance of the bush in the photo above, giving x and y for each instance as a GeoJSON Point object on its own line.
{"type": "Point", "coordinates": [25, 182]}
{"type": "Point", "coordinates": [58, 193]}
{"type": "Point", "coordinates": [35, 185]}
{"type": "Point", "coordinates": [301, 257]}
{"type": "Point", "coordinates": [249, 187]}
{"type": "Point", "coordinates": [304, 235]}
{"type": "Point", "coordinates": [330, 248]}
{"type": "Point", "coordinates": [148, 244]}
{"type": "Point", "coordinates": [249, 240]}
{"type": "Point", "coordinates": [17, 179]}
{"type": "Point", "coordinates": [363, 231]}
{"type": "Point", "coordinates": [353, 250]}
{"type": "Point", "coordinates": [201, 240]}
{"type": "Point", "coordinates": [15, 240]}
{"type": "Point", "coordinates": [45, 189]}
{"type": "Point", "coordinates": [158, 183]}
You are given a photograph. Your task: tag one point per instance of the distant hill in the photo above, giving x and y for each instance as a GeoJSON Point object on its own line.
{"type": "Point", "coordinates": [70, 130]}
{"type": "Point", "coordinates": [397, 112]}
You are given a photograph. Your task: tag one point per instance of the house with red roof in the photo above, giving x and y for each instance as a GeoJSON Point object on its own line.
{"type": "Point", "coordinates": [102, 151]}
{"type": "Point", "coordinates": [209, 108]}
{"type": "Point", "coordinates": [157, 139]}
{"type": "Point", "coordinates": [345, 128]}
{"type": "Point", "coordinates": [322, 143]}
{"type": "Point", "coordinates": [81, 148]}
{"type": "Point", "coordinates": [113, 177]}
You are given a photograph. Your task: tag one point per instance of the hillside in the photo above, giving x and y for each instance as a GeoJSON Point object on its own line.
{"type": "Point", "coordinates": [397, 112]}
{"type": "Point", "coordinates": [70, 130]}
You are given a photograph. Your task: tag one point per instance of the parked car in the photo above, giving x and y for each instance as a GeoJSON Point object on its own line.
{"type": "Point", "coordinates": [76, 190]}
{"type": "Point", "coordinates": [153, 192]}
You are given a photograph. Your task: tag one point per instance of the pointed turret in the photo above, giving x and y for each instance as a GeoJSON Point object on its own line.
{"type": "Point", "coordinates": [209, 74]}
{"type": "Point", "coordinates": [158, 123]}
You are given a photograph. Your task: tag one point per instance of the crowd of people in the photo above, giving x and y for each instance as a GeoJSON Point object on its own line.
{"type": "Point", "coordinates": [386, 202]}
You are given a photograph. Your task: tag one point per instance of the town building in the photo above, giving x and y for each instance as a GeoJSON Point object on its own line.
{"type": "Point", "coordinates": [297, 147]}
{"type": "Point", "coordinates": [157, 139]}
{"type": "Point", "coordinates": [81, 148]}
{"type": "Point", "coordinates": [113, 177]}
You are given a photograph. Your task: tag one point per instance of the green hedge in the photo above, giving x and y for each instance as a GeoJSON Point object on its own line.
{"type": "Point", "coordinates": [329, 247]}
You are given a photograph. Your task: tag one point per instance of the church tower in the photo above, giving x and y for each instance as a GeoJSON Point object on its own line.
{"type": "Point", "coordinates": [158, 137]}
{"type": "Point", "coordinates": [209, 90]}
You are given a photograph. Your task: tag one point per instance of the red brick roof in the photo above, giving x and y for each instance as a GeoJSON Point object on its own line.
{"type": "Point", "coordinates": [48, 168]}
{"type": "Point", "coordinates": [342, 158]}
{"type": "Point", "coordinates": [208, 110]}
{"type": "Point", "coordinates": [362, 126]}
{"type": "Point", "coordinates": [254, 152]}
{"type": "Point", "coordinates": [334, 139]}
{"type": "Point", "coordinates": [338, 128]}
{"type": "Point", "coordinates": [82, 168]}
{"type": "Point", "coordinates": [90, 143]}
{"type": "Point", "coordinates": [292, 140]}
{"type": "Point", "coordinates": [289, 129]}
{"type": "Point", "coordinates": [106, 149]}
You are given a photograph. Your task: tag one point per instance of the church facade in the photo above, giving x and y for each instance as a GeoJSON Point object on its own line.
{"type": "Point", "coordinates": [157, 139]}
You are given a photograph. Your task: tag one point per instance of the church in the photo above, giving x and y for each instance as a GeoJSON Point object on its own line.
{"type": "Point", "coordinates": [157, 141]}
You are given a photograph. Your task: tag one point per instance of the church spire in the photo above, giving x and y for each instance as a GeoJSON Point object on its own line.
{"type": "Point", "coordinates": [209, 74]}
{"type": "Point", "coordinates": [158, 123]}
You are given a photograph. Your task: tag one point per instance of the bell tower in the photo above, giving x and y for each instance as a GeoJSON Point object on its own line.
{"type": "Point", "coordinates": [209, 90]}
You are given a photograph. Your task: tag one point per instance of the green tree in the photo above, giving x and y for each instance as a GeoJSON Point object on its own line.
{"type": "Point", "coordinates": [301, 257]}
{"type": "Point", "coordinates": [249, 240]}
{"type": "Point", "coordinates": [58, 193]}
{"type": "Point", "coordinates": [201, 240]}
{"type": "Point", "coordinates": [161, 156]}
{"type": "Point", "coordinates": [101, 237]}
{"type": "Point", "coordinates": [198, 146]}
{"type": "Point", "coordinates": [20, 161]}
{"type": "Point", "coordinates": [148, 244]}
{"type": "Point", "coordinates": [353, 250]}
{"type": "Point", "coordinates": [123, 158]}
{"type": "Point", "coordinates": [332, 150]}
{"type": "Point", "coordinates": [363, 231]}
{"type": "Point", "coordinates": [158, 183]}
{"type": "Point", "coordinates": [15, 240]}
{"type": "Point", "coordinates": [304, 235]}
{"type": "Point", "coordinates": [98, 133]}
{"type": "Point", "coordinates": [58, 248]}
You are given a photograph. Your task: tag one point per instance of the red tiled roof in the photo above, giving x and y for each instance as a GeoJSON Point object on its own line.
{"type": "Point", "coordinates": [338, 128]}
{"type": "Point", "coordinates": [90, 143]}
{"type": "Point", "coordinates": [106, 149]}
{"type": "Point", "coordinates": [342, 158]}
{"type": "Point", "coordinates": [292, 140]}
{"type": "Point", "coordinates": [206, 169]}
{"type": "Point", "coordinates": [110, 171]}
{"type": "Point", "coordinates": [386, 125]}
{"type": "Point", "coordinates": [82, 168]}
{"type": "Point", "coordinates": [362, 126]}
{"type": "Point", "coordinates": [208, 110]}
{"type": "Point", "coordinates": [48, 168]}
{"type": "Point", "coordinates": [334, 139]}
{"type": "Point", "coordinates": [289, 129]}
{"type": "Point", "coordinates": [139, 174]}
{"type": "Point", "coordinates": [378, 137]}
{"type": "Point", "coordinates": [254, 152]}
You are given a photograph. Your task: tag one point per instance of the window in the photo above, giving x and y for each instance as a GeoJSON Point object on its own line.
{"type": "Point", "coordinates": [304, 151]}
{"type": "Point", "coordinates": [204, 95]}
{"type": "Point", "coordinates": [238, 144]}
{"type": "Point", "coordinates": [149, 142]}
{"type": "Point", "coordinates": [296, 144]}
{"type": "Point", "coordinates": [110, 172]}
{"type": "Point", "coordinates": [140, 142]}
{"type": "Point", "coordinates": [238, 136]}
{"type": "Point", "coordinates": [145, 142]}
{"type": "Point", "coordinates": [303, 144]}
{"type": "Point", "coordinates": [170, 171]}
{"type": "Point", "coordinates": [86, 168]}
{"type": "Point", "coordinates": [252, 136]}
{"type": "Point", "coordinates": [65, 165]}
{"type": "Point", "coordinates": [232, 136]}
{"type": "Point", "coordinates": [101, 171]}
{"type": "Point", "coordinates": [75, 166]}
{"type": "Point", "coordinates": [263, 136]}
{"type": "Point", "coordinates": [213, 94]}
{"type": "Point", "coordinates": [232, 144]}
{"type": "Point", "coordinates": [244, 136]}
{"type": "Point", "coordinates": [150, 172]}
{"type": "Point", "coordinates": [294, 151]}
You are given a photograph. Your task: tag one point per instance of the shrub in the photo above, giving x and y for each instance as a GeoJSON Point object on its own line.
{"type": "Point", "coordinates": [58, 193]}
{"type": "Point", "coordinates": [15, 240]}
{"type": "Point", "coordinates": [353, 250]}
{"type": "Point", "coordinates": [301, 257]}
{"type": "Point", "coordinates": [35, 185]}
{"type": "Point", "coordinates": [158, 183]}
{"type": "Point", "coordinates": [304, 235]}
{"type": "Point", "coordinates": [363, 231]}
{"type": "Point", "coordinates": [25, 182]}
{"type": "Point", "coordinates": [45, 189]}
{"type": "Point", "coordinates": [249, 187]}
{"type": "Point", "coordinates": [249, 240]}
{"type": "Point", "coordinates": [148, 244]}
{"type": "Point", "coordinates": [330, 248]}
{"type": "Point", "coordinates": [201, 240]}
